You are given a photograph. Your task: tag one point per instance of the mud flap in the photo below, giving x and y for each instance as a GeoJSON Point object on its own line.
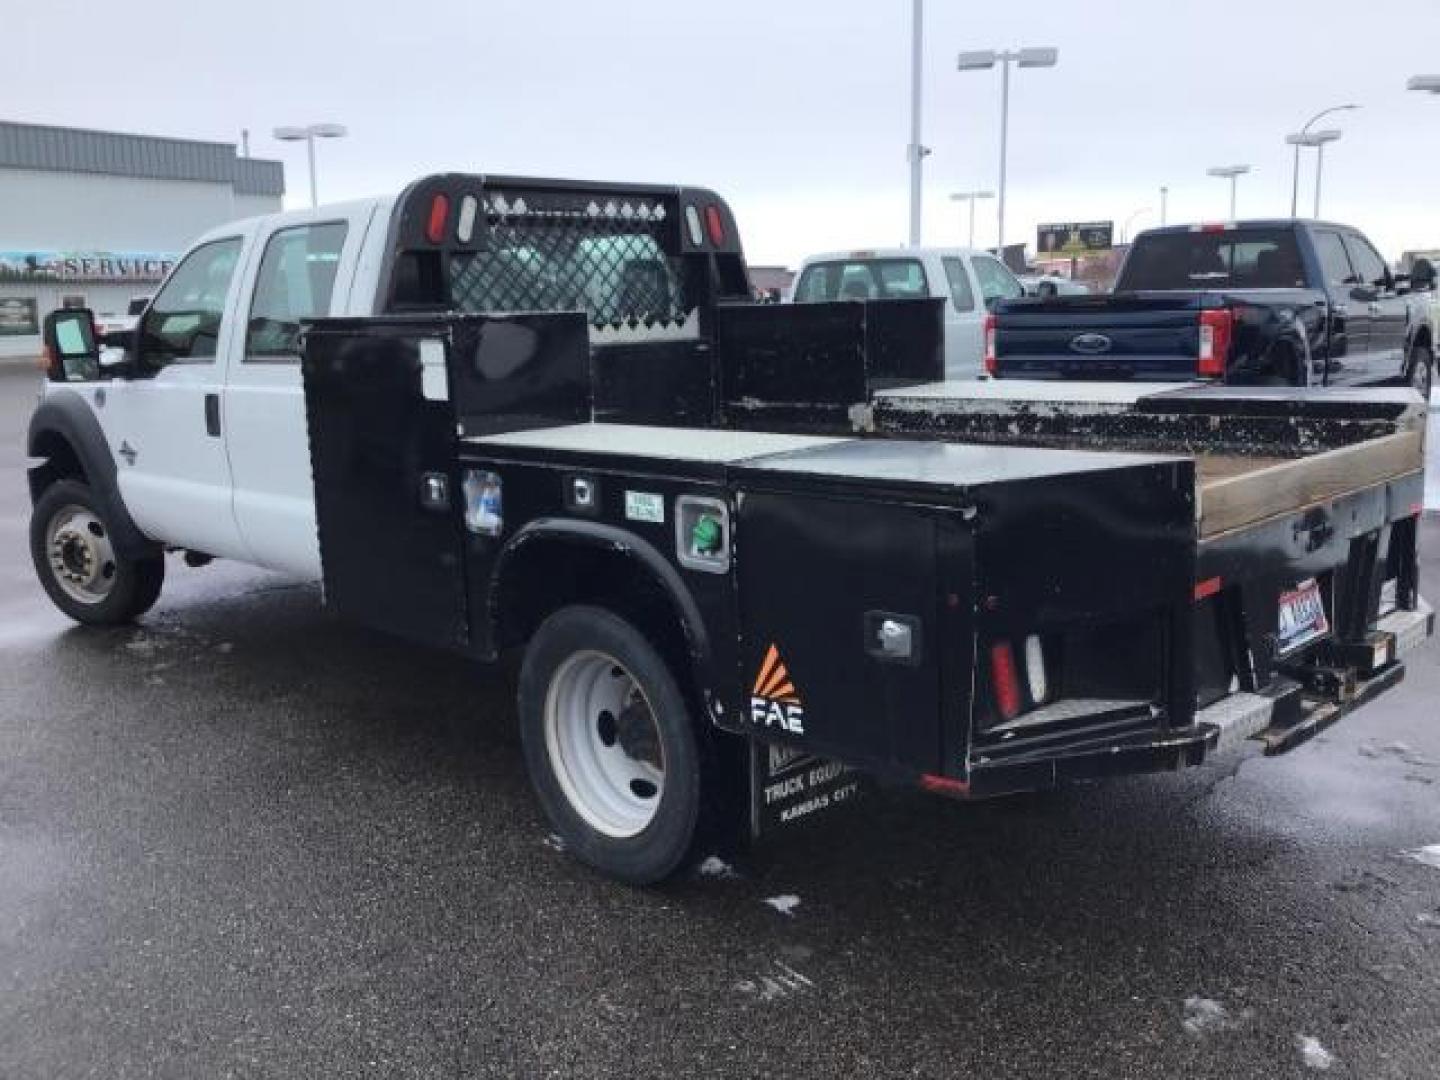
{"type": "Point", "coordinates": [789, 786]}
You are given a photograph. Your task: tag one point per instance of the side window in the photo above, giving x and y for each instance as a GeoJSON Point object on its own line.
{"type": "Point", "coordinates": [1368, 263]}
{"type": "Point", "coordinates": [903, 279]}
{"type": "Point", "coordinates": [295, 282]}
{"type": "Point", "coordinates": [961, 295]}
{"type": "Point", "coordinates": [183, 322]}
{"type": "Point", "coordinates": [814, 285]}
{"type": "Point", "coordinates": [1334, 263]}
{"type": "Point", "coordinates": [996, 282]}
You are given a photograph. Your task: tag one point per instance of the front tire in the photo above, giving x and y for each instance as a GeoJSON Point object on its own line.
{"type": "Point", "coordinates": [610, 745]}
{"type": "Point", "coordinates": [75, 559]}
{"type": "Point", "coordinates": [1420, 372]}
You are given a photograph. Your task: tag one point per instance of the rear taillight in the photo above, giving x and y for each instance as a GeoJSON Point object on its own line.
{"type": "Point", "coordinates": [991, 363]}
{"type": "Point", "coordinates": [1215, 333]}
{"type": "Point", "coordinates": [439, 215]}
{"type": "Point", "coordinates": [715, 225]}
{"type": "Point", "coordinates": [1005, 681]}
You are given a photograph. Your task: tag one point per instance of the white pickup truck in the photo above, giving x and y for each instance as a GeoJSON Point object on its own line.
{"type": "Point", "coordinates": [968, 280]}
{"type": "Point", "coordinates": [749, 550]}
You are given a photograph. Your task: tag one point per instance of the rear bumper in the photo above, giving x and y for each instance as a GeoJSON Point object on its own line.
{"type": "Point", "coordinates": [1286, 714]}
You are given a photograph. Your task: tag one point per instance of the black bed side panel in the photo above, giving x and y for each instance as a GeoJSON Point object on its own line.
{"type": "Point", "coordinates": [818, 575]}
{"type": "Point", "coordinates": [388, 560]}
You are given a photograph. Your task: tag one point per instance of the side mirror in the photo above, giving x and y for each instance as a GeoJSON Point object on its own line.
{"type": "Point", "coordinates": [1422, 275]}
{"type": "Point", "coordinates": [71, 352]}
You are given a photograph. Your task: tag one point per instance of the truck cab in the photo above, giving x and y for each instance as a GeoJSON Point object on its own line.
{"type": "Point", "coordinates": [199, 414]}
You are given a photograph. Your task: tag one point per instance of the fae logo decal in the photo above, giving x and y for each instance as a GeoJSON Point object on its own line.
{"type": "Point", "coordinates": [774, 701]}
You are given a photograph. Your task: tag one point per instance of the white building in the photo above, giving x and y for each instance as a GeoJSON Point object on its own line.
{"type": "Point", "coordinates": [95, 218]}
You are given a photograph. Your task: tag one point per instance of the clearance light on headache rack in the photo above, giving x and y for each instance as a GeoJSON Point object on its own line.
{"type": "Point", "coordinates": [465, 227]}
{"type": "Point", "coordinates": [439, 215]}
{"type": "Point", "coordinates": [715, 225]}
{"type": "Point", "coordinates": [1216, 328]}
{"type": "Point", "coordinates": [1213, 226]}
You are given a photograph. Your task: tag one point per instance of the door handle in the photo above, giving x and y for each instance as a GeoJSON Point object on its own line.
{"type": "Point", "coordinates": [212, 415]}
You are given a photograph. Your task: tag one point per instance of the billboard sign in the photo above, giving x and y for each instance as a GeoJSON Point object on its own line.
{"type": "Point", "coordinates": [90, 266]}
{"type": "Point", "coordinates": [1074, 238]}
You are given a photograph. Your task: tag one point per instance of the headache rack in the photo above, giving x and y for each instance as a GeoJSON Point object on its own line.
{"type": "Point", "coordinates": [643, 262]}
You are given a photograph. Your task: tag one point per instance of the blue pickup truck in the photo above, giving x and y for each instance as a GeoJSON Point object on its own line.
{"type": "Point", "coordinates": [1283, 302]}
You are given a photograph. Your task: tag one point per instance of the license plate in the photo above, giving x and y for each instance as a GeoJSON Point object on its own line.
{"type": "Point", "coordinates": [1302, 616]}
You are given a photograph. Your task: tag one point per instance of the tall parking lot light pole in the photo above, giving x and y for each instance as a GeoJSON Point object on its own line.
{"type": "Point", "coordinates": [970, 197]}
{"type": "Point", "coordinates": [1164, 200]}
{"type": "Point", "coordinates": [308, 134]}
{"type": "Point", "coordinates": [1317, 139]}
{"type": "Point", "coordinates": [1296, 141]}
{"type": "Point", "coordinates": [1231, 173]}
{"type": "Point", "coordinates": [916, 151]}
{"type": "Point", "coordinates": [988, 58]}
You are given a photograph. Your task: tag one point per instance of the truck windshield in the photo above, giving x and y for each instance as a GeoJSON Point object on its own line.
{"type": "Point", "coordinates": [862, 279]}
{"type": "Point", "coordinates": [1234, 258]}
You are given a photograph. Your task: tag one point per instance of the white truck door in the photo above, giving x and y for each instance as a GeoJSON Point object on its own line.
{"type": "Point", "coordinates": [166, 429]}
{"type": "Point", "coordinates": [964, 321]}
{"type": "Point", "coordinates": [306, 266]}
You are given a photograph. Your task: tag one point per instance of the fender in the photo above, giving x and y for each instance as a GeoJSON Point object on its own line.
{"type": "Point", "coordinates": [65, 414]}
{"type": "Point", "coordinates": [619, 542]}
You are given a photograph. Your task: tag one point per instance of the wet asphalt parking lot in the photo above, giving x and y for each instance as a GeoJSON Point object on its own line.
{"type": "Point", "coordinates": [244, 839]}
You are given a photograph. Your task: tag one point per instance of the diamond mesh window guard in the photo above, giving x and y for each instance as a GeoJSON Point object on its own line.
{"type": "Point", "coordinates": [604, 255]}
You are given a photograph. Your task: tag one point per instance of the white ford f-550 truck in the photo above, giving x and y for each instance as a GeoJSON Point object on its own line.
{"type": "Point", "coordinates": [754, 553]}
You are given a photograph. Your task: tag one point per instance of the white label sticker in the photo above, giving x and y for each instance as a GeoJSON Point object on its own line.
{"type": "Point", "coordinates": [644, 506]}
{"type": "Point", "coordinates": [433, 381]}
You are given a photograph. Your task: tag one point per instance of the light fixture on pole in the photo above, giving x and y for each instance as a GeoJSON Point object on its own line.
{"type": "Point", "coordinates": [916, 151]}
{"type": "Point", "coordinates": [1428, 84]}
{"type": "Point", "coordinates": [1317, 139]}
{"type": "Point", "coordinates": [308, 134]}
{"type": "Point", "coordinates": [1164, 201]}
{"type": "Point", "coordinates": [987, 58]}
{"type": "Point", "coordinates": [1231, 173]}
{"type": "Point", "coordinates": [1125, 229]}
{"type": "Point", "coordinates": [970, 197]}
{"type": "Point", "coordinates": [1296, 141]}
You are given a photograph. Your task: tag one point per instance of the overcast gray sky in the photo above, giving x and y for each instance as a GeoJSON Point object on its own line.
{"type": "Point", "coordinates": [796, 110]}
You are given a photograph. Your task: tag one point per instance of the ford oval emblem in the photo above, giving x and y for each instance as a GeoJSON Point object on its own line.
{"type": "Point", "coordinates": [1090, 344]}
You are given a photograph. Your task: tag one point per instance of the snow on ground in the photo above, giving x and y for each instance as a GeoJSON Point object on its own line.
{"type": "Point", "coordinates": [716, 867]}
{"type": "Point", "coordinates": [786, 903]}
{"type": "Point", "coordinates": [1312, 1053]}
{"type": "Point", "coordinates": [1206, 1016]}
{"type": "Point", "coordinates": [1429, 855]}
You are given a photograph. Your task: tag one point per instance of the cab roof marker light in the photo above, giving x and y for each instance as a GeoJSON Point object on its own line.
{"type": "Point", "coordinates": [1213, 226]}
{"type": "Point", "coordinates": [692, 226]}
{"type": "Point", "coordinates": [715, 225]}
{"type": "Point", "coordinates": [439, 214]}
{"type": "Point", "coordinates": [1035, 669]}
{"type": "Point", "coordinates": [465, 227]}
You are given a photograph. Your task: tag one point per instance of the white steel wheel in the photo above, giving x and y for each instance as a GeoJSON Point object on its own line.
{"type": "Point", "coordinates": [81, 559]}
{"type": "Point", "coordinates": [604, 744]}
